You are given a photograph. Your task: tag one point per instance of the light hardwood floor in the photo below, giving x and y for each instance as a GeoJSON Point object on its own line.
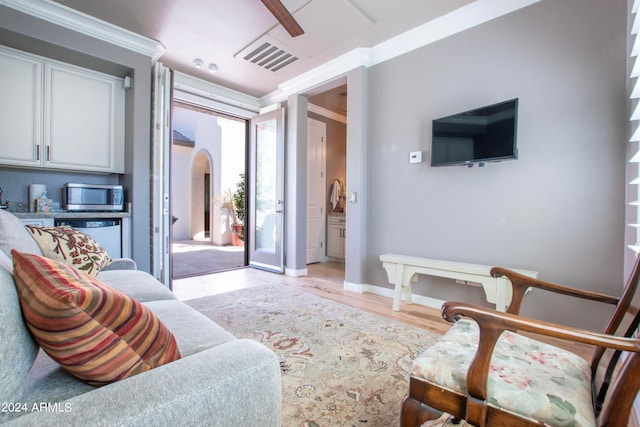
{"type": "Point", "coordinates": [326, 280]}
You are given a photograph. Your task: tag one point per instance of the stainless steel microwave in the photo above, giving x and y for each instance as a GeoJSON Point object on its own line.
{"type": "Point", "coordinates": [92, 197]}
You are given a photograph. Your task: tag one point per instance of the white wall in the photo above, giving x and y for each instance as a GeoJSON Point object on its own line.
{"type": "Point", "coordinates": [181, 158]}
{"type": "Point", "coordinates": [557, 209]}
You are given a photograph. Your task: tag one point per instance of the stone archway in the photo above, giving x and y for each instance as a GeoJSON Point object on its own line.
{"type": "Point", "coordinates": [207, 212]}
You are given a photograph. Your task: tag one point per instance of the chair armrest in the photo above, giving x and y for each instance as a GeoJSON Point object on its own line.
{"type": "Point", "coordinates": [521, 284]}
{"type": "Point", "coordinates": [122, 264]}
{"type": "Point", "coordinates": [492, 323]}
{"type": "Point", "coordinates": [234, 384]}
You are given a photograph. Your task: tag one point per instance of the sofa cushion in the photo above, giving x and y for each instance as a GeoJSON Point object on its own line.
{"type": "Point", "coordinates": [5, 262]}
{"type": "Point", "coordinates": [95, 332]}
{"type": "Point", "coordinates": [194, 332]}
{"type": "Point", "coordinates": [17, 347]}
{"type": "Point", "coordinates": [137, 284]}
{"type": "Point", "coordinates": [14, 235]}
{"type": "Point", "coordinates": [71, 246]}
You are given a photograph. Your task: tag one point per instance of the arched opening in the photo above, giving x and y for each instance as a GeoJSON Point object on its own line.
{"type": "Point", "coordinates": [201, 198]}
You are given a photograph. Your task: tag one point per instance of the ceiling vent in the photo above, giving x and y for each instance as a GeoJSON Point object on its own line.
{"type": "Point", "coordinates": [269, 53]}
{"type": "Point", "coordinates": [270, 57]}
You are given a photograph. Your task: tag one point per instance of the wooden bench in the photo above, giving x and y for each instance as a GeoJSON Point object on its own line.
{"type": "Point", "coordinates": [402, 270]}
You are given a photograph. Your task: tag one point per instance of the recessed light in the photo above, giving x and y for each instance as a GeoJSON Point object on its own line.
{"type": "Point", "coordinates": [213, 68]}
{"type": "Point", "coordinates": [199, 63]}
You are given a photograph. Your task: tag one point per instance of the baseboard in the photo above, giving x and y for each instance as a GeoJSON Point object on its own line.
{"type": "Point", "coordinates": [386, 292]}
{"type": "Point", "coordinates": [296, 273]}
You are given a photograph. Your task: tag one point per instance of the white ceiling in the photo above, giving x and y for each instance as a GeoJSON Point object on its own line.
{"type": "Point", "coordinates": [224, 31]}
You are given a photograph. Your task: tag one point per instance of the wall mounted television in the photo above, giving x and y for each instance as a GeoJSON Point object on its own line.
{"type": "Point", "coordinates": [486, 134]}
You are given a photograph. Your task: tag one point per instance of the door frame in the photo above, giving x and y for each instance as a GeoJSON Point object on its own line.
{"type": "Point", "coordinates": [161, 168]}
{"type": "Point", "coordinates": [204, 162]}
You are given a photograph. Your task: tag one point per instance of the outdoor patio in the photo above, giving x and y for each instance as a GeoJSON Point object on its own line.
{"type": "Point", "coordinates": [198, 257]}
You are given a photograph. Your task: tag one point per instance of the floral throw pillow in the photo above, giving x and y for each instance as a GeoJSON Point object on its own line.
{"type": "Point", "coordinates": [72, 247]}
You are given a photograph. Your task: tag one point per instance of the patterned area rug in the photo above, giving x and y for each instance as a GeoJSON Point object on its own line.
{"type": "Point", "coordinates": [340, 366]}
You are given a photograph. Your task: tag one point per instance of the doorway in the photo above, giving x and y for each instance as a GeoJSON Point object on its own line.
{"type": "Point", "coordinates": [208, 165]}
{"type": "Point", "coordinates": [330, 109]}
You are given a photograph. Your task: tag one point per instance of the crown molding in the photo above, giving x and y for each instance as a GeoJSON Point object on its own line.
{"type": "Point", "coordinates": [454, 22]}
{"type": "Point", "coordinates": [82, 23]}
{"type": "Point", "coordinates": [471, 15]}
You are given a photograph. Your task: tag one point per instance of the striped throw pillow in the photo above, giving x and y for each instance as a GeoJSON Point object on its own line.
{"type": "Point", "coordinates": [95, 332]}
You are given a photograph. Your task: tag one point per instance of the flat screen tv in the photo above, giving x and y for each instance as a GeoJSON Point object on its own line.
{"type": "Point", "coordinates": [486, 134]}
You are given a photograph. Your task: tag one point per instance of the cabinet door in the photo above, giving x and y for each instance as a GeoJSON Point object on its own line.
{"type": "Point", "coordinates": [44, 222]}
{"type": "Point", "coordinates": [333, 241]}
{"type": "Point", "coordinates": [20, 109]}
{"type": "Point", "coordinates": [84, 117]}
{"type": "Point", "coordinates": [336, 238]}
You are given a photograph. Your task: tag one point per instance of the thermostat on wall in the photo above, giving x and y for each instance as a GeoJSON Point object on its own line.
{"type": "Point", "coordinates": [415, 157]}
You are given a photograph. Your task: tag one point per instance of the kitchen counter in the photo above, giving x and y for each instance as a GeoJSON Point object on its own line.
{"type": "Point", "coordinates": [71, 215]}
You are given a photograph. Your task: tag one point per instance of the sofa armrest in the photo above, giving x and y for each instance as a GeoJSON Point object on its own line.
{"type": "Point", "coordinates": [122, 264]}
{"type": "Point", "coordinates": [234, 384]}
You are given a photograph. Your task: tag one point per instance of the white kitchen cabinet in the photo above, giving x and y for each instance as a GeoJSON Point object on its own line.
{"type": "Point", "coordinates": [59, 116]}
{"type": "Point", "coordinates": [336, 236]}
{"type": "Point", "coordinates": [20, 109]}
{"type": "Point", "coordinates": [84, 120]}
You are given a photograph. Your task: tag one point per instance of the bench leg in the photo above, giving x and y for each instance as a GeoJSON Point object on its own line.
{"type": "Point", "coordinates": [397, 296]}
{"type": "Point", "coordinates": [408, 293]}
{"type": "Point", "coordinates": [400, 286]}
{"type": "Point", "coordinates": [495, 290]}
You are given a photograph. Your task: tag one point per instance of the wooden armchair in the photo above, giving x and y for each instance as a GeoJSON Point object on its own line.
{"type": "Point", "coordinates": [485, 373]}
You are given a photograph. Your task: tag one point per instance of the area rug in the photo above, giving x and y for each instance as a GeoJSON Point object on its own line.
{"type": "Point", "coordinates": [340, 366]}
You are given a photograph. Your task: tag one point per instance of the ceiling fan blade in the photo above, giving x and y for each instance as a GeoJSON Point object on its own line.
{"type": "Point", "coordinates": [284, 17]}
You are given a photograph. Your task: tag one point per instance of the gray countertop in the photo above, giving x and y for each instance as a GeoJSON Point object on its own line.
{"type": "Point", "coordinates": [69, 215]}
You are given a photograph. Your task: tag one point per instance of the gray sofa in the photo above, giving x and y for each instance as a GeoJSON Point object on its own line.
{"type": "Point", "coordinates": [219, 381]}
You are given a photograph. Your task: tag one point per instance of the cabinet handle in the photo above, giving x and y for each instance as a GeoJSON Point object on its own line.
{"type": "Point", "coordinates": [47, 158]}
{"type": "Point", "coordinates": [37, 151]}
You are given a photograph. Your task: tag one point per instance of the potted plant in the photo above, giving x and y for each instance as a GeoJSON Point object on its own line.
{"type": "Point", "coordinates": [238, 208]}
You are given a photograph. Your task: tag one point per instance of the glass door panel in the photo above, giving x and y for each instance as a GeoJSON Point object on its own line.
{"type": "Point", "coordinates": [266, 189]}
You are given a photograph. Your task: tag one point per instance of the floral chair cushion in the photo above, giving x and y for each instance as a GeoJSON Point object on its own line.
{"type": "Point", "coordinates": [529, 378]}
